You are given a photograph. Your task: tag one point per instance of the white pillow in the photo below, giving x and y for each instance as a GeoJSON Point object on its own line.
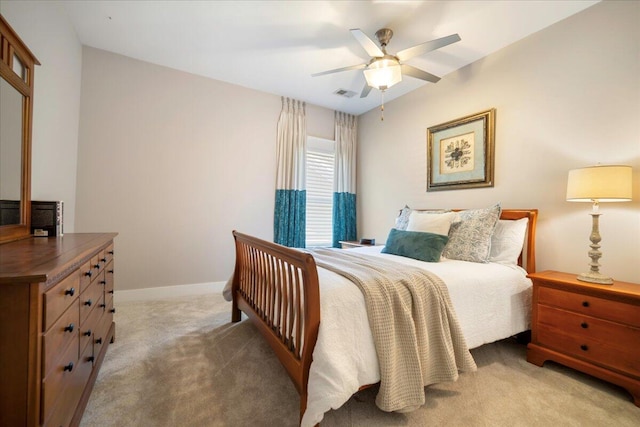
{"type": "Point", "coordinates": [507, 241]}
{"type": "Point", "coordinates": [429, 222]}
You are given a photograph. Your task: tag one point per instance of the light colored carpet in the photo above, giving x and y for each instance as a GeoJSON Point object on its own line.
{"type": "Point", "coordinates": [181, 362]}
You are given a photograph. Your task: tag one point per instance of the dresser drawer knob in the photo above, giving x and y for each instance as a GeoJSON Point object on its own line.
{"type": "Point", "coordinates": [87, 334]}
{"type": "Point", "coordinates": [103, 260]}
{"type": "Point", "coordinates": [70, 291]}
{"type": "Point", "coordinates": [110, 271]}
{"type": "Point", "coordinates": [88, 302]}
{"type": "Point", "coordinates": [68, 367]}
{"type": "Point", "coordinates": [584, 325]}
{"type": "Point", "coordinates": [584, 347]}
{"type": "Point", "coordinates": [103, 305]}
{"type": "Point", "coordinates": [585, 303]}
{"type": "Point", "coordinates": [90, 359]}
{"type": "Point", "coordinates": [113, 310]}
{"type": "Point", "coordinates": [88, 273]}
{"type": "Point", "coordinates": [111, 291]}
{"type": "Point", "coordinates": [98, 340]}
{"type": "Point", "coordinates": [69, 328]}
{"type": "Point", "coordinates": [97, 266]}
{"type": "Point", "coordinates": [103, 282]}
{"type": "Point", "coordinates": [110, 252]}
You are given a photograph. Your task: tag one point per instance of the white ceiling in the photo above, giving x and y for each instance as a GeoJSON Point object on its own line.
{"type": "Point", "coordinates": [275, 46]}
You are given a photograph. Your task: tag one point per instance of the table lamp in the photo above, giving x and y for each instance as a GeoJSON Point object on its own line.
{"type": "Point", "coordinates": [595, 184]}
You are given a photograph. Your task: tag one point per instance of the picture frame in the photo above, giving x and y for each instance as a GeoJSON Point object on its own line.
{"type": "Point", "coordinates": [460, 152]}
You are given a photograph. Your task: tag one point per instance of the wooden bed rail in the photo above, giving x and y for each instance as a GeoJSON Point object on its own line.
{"type": "Point", "coordinates": [277, 288]}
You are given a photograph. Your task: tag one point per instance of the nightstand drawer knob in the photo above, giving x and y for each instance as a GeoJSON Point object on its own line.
{"type": "Point", "coordinates": [585, 303]}
{"type": "Point", "coordinates": [584, 325]}
{"type": "Point", "coordinates": [584, 347]}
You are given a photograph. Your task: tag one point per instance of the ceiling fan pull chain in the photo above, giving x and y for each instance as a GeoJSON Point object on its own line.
{"type": "Point", "coordinates": [382, 107]}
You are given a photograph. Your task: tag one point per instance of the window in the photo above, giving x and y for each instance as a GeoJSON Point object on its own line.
{"type": "Point", "coordinates": [320, 158]}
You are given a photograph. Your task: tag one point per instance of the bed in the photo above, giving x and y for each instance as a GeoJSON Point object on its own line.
{"type": "Point", "coordinates": [285, 294]}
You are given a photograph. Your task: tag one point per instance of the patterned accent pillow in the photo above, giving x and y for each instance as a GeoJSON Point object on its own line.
{"type": "Point", "coordinates": [470, 239]}
{"type": "Point", "coordinates": [403, 219]}
{"type": "Point", "coordinates": [415, 244]}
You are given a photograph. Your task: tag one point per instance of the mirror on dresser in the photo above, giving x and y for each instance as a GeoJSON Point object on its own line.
{"type": "Point", "coordinates": [17, 65]}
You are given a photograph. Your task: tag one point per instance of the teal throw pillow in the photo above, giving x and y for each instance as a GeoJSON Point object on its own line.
{"type": "Point", "coordinates": [415, 244]}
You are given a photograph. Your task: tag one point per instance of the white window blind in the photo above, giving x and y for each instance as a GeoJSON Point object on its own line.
{"type": "Point", "coordinates": [320, 159]}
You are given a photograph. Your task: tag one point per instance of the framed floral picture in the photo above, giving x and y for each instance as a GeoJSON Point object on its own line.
{"type": "Point", "coordinates": [460, 152]}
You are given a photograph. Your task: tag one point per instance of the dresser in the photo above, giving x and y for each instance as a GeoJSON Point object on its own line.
{"type": "Point", "coordinates": [56, 321]}
{"type": "Point", "coordinates": [592, 328]}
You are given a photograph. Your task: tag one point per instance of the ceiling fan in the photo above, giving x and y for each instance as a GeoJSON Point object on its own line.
{"type": "Point", "coordinates": [385, 70]}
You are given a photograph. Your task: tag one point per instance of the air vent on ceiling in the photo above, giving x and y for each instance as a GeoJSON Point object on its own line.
{"type": "Point", "coordinates": [345, 93]}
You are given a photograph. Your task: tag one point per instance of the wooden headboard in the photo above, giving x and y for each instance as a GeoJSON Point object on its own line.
{"type": "Point", "coordinates": [527, 259]}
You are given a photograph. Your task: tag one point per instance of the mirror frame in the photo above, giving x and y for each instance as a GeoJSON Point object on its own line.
{"type": "Point", "coordinates": [12, 46]}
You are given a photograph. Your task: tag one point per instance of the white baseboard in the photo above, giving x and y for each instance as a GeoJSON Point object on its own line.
{"type": "Point", "coordinates": [165, 292]}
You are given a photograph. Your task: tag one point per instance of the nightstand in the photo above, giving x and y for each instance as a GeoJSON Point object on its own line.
{"type": "Point", "coordinates": [592, 328]}
{"type": "Point", "coordinates": [350, 244]}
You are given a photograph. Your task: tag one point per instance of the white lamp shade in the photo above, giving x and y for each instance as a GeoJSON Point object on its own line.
{"type": "Point", "coordinates": [610, 183]}
{"type": "Point", "coordinates": [383, 73]}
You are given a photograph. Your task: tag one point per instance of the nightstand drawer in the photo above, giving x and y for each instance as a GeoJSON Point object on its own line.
{"type": "Point", "coordinates": [610, 334]}
{"type": "Point", "coordinates": [592, 350]}
{"type": "Point", "coordinates": [590, 305]}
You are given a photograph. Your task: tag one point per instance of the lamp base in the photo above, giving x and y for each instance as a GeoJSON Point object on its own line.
{"type": "Point", "coordinates": [594, 277]}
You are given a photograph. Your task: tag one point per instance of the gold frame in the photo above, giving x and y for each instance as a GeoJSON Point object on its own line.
{"type": "Point", "coordinates": [475, 160]}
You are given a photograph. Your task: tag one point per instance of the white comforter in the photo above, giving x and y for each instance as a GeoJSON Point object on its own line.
{"type": "Point", "coordinates": [492, 301]}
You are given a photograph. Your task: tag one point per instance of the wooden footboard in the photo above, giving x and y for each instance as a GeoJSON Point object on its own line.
{"type": "Point", "coordinates": [277, 287]}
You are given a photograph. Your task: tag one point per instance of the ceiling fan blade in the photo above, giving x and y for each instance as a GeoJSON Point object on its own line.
{"type": "Point", "coordinates": [425, 47]}
{"type": "Point", "coordinates": [365, 91]}
{"type": "Point", "coordinates": [369, 45]}
{"type": "Point", "coordinates": [418, 73]}
{"type": "Point", "coordinates": [337, 70]}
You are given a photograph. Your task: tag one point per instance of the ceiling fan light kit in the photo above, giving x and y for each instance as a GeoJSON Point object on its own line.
{"type": "Point", "coordinates": [382, 73]}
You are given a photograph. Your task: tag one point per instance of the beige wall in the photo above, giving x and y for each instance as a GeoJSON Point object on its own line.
{"type": "Point", "coordinates": [566, 97]}
{"type": "Point", "coordinates": [45, 28]}
{"type": "Point", "coordinates": [174, 162]}
{"type": "Point", "coordinates": [159, 148]}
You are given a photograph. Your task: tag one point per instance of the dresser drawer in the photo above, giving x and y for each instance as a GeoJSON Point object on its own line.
{"type": "Point", "coordinates": [100, 335]}
{"type": "Point", "coordinates": [65, 403]}
{"type": "Point", "coordinates": [91, 298]}
{"type": "Point", "coordinates": [108, 273]}
{"type": "Point", "coordinates": [86, 273]}
{"type": "Point", "coordinates": [59, 377]}
{"type": "Point", "coordinates": [58, 337]}
{"type": "Point", "coordinates": [96, 264]}
{"type": "Point", "coordinates": [108, 253]}
{"type": "Point", "coordinates": [91, 326]}
{"type": "Point", "coordinates": [591, 306]}
{"type": "Point", "coordinates": [59, 298]}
